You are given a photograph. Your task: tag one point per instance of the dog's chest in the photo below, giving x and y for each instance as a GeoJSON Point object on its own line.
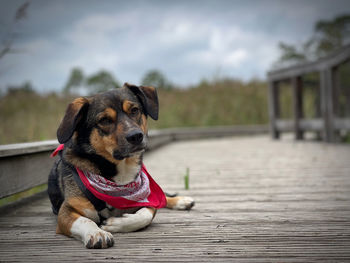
{"type": "Point", "coordinates": [126, 172]}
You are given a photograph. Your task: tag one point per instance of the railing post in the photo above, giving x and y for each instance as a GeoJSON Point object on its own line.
{"type": "Point", "coordinates": [335, 102]}
{"type": "Point", "coordinates": [346, 91]}
{"type": "Point", "coordinates": [336, 91]}
{"type": "Point", "coordinates": [327, 107]}
{"type": "Point", "coordinates": [318, 110]}
{"type": "Point", "coordinates": [274, 110]}
{"type": "Point", "coordinates": [298, 106]}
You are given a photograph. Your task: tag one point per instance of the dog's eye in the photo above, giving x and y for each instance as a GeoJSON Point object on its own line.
{"type": "Point", "coordinates": [105, 121]}
{"type": "Point", "coordinates": [134, 111]}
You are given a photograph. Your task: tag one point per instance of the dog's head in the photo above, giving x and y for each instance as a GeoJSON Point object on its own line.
{"type": "Point", "coordinates": [112, 125]}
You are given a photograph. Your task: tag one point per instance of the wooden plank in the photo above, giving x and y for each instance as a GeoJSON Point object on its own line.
{"type": "Point", "coordinates": [283, 125]}
{"type": "Point", "coordinates": [342, 124]}
{"type": "Point", "coordinates": [190, 133]}
{"type": "Point", "coordinates": [346, 90]}
{"type": "Point", "coordinates": [325, 82]}
{"type": "Point", "coordinates": [316, 124]}
{"type": "Point", "coordinates": [274, 109]}
{"type": "Point", "coordinates": [336, 91]}
{"type": "Point", "coordinates": [297, 85]}
{"type": "Point", "coordinates": [26, 165]}
{"type": "Point", "coordinates": [27, 148]}
{"type": "Point", "coordinates": [333, 102]}
{"type": "Point", "coordinates": [24, 171]}
{"type": "Point", "coordinates": [334, 59]}
{"type": "Point", "coordinates": [318, 111]}
{"type": "Point", "coordinates": [327, 106]}
{"type": "Point", "coordinates": [257, 200]}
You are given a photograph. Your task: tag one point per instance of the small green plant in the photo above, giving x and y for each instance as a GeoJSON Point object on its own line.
{"type": "Point", "coordinates": [187, 179]}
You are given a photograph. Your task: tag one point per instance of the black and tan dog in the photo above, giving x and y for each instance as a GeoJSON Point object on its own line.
{"type": "Point", "coordinates": [105, 134]}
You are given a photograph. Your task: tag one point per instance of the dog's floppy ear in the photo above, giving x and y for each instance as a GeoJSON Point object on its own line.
{"type": "Point", "coordinates": [74, 113]}
{"type": "Point", "coordinates": [148, 97]}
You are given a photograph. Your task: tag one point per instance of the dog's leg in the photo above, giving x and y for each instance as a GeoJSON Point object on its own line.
{"type": "Point", "coordinates": [77, 218]}
{"type": "Point", "coordinates": [179, 202]}
{"type": "Point", "coordinates": [130, 222]}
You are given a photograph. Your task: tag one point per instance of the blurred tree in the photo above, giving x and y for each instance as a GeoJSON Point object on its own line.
{"type": "Point", "coordinates": [328, 36]}
{"type": "Point", "coordinates": [75, 80]}
{"type": "Point", "coordinates": [156, 79]}
{"type": "Point", "coordinates": [290, 54]}
{"type": "Point", "coordinates": [97, 82]}
{"type": "Point", "coordinates": [26, 87]}
{"type": "Point", "coordinates": [101, 81]}
{"type": "Point", "coordinates": [331, 35]}
{"type": "Point", "coordinates": [9, 36]}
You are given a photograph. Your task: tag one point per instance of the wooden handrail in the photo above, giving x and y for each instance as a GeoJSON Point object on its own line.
{"type": "Point", "coordinates": [336, 58]}
{"type": "Point", "coordinates": [26, 165]}
{"type": "Point", "coordinates": [331, 124]}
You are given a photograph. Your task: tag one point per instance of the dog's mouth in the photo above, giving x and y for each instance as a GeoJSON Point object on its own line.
{"type": "Point", "coordinates": [118, 155]}
{"type": "Point", "coordinates": [133, 144]}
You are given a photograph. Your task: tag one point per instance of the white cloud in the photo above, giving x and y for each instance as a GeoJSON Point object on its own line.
{"type": "Point", "coordinates": [218, 58]}
{"type": "Point", "coordinates": [235, 57]}
{"type": "Point", "coordinates": [185, 40]}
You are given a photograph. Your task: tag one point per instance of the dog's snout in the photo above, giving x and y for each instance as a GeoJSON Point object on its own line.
{"type": "Point", "coordinates": [134, 137]}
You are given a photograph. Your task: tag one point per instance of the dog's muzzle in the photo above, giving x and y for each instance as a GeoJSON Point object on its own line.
{"type": "Point", "coordinates": [135, 142]}
{"type": "Point", "coordinates": [134, 137]}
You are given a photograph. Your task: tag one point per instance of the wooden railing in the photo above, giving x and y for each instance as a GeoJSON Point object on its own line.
{"type": "Point", "coordinates": [326, 122]}
{"type": "Point", "coordinates": [27, 165]}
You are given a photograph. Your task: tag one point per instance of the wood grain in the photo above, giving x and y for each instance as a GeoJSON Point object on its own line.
{"type": "Point", "coordinates": [257, 200]}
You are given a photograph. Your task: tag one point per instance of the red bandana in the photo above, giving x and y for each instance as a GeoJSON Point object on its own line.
{"type": "Point", "coordinates": [142, 192]}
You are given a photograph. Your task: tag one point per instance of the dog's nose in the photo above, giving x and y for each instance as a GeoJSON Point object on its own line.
{"type": "Point", "coordinates": [134, 137]}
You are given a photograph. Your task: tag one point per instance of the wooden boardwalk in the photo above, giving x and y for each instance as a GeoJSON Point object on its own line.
{"type": "Point", "coordinates": [257, 200]}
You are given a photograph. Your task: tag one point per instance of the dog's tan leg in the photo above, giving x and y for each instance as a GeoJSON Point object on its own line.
{"type": "Point", "coordinates": [77, 218]}
{"type": "Point", "coordinates": [179, 202]}
{"type": "Point", "coordinates": [130, 222]}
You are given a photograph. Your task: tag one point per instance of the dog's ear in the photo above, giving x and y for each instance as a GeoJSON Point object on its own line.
{"type": "Point", "coordinates": [74, 114]}
{"type": "Point", "coordinates": [148, 98]}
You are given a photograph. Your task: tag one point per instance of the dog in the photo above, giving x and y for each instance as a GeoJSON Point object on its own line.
{"type": "Point", "coordinates": [99, 185]}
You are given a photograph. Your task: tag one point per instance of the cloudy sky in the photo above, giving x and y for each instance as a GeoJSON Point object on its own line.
{"type": "Point", "coordinates": [186, 40]}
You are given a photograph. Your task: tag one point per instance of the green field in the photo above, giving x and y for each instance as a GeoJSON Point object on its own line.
{"type": "Point", "coordinates": [27, 116]}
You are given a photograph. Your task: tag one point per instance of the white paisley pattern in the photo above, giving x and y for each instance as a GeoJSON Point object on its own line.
{"type": "Point", "coordinates": [137, 191]}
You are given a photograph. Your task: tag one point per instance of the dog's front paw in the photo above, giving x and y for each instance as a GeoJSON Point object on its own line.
{"type": "Point", "coordinates": [115, 224]}
{"type": "Point", "coordinates": [98, 239]}
{"type": "Point", "coordinates": [129, 222]}
{"type": "Point", "coordinates": [180, 202]}
{"type": "Point", "coordinates": [90, 234]}
{"type": "Point", "coordinates": [184, 203]}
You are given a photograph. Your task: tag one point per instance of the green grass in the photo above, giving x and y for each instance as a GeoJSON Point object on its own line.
{"type": "Point", "coordinates": [224, 102]}
{"type": "Point", "coordinates": [16, 197]}
{"type": "Point", "coordinates": [27, 116]}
